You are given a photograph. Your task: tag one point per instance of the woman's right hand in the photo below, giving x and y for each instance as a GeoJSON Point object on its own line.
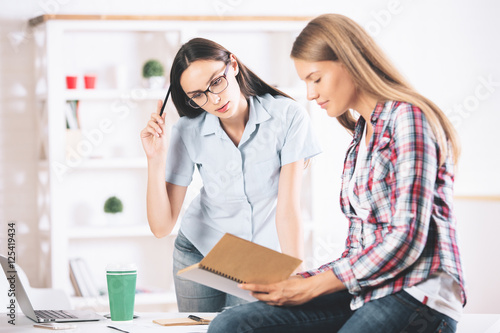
{"type": "Point", "coordinates": [154, 140]}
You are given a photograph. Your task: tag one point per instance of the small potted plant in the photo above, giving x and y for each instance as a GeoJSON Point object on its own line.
{"type": "Point", "coordinates": [153, 72]}
{"type": "Point", "coordinates": [112, 207]}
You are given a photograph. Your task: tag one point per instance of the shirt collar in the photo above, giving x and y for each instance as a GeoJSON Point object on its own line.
{"type": "Point", "coordinates": [258, 113]}
{"type": "Point", "coordinates": [381, 112]}
{"type": "Point", "coordinates": [210, 124]}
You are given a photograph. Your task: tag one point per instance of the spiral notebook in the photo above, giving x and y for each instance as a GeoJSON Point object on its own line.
{"type": "Point", "coordinates": [234, 260]}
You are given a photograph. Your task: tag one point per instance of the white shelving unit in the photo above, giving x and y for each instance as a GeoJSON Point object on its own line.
{"type": "Point", "coordinates": [79, 169]}
{"type": "Point", "coordinates": [108, 232]}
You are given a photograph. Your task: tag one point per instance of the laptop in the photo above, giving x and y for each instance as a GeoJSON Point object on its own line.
{"type": "Point", "coordinates": [41, 316]}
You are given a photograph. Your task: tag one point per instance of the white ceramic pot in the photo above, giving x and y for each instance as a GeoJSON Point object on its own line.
{"type": "Point", "coordinates": [156, 82]}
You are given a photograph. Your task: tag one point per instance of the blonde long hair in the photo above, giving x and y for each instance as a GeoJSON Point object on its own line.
{"type": "Point", "coordinates": [337, 38]}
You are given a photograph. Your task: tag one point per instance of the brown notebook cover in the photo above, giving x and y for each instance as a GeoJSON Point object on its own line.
{"type": "Point", "coordinates": [235, 260]}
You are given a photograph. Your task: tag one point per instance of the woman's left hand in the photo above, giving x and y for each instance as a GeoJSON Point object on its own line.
{"type": "Point", "coordinates": [294, 291]}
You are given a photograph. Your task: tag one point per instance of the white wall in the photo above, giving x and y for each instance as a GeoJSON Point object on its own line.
{"type": "Point", "coordinates": [448, 50]}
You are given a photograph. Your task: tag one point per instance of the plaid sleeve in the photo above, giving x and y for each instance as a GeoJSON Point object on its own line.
{"type": "Point", "coordinates": [324, 268]}
{"type": "Point", "coordinates": [401, 222]}
{"type": "Point", "coordinates": [330, 265]}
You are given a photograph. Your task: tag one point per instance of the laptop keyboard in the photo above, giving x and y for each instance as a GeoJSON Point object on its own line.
{"type": "Point", "coordinates": [51, 314]}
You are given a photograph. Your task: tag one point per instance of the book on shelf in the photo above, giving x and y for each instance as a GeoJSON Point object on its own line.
{"type": "Point", "coordinates": [71, 111]}
{"type": "Point", "coordinates": [74, 281]}
{"type": "Point", "coordinates": [82, 279]}
{"type": "Point", "coordinates": [234, 260]}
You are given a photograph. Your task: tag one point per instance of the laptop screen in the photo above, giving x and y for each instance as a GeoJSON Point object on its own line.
{"type": "Point", "coordinates": [16, 285]}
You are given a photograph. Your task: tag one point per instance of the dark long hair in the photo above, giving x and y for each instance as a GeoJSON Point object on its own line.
{"type": "Point", "coordinates": [204, 49]}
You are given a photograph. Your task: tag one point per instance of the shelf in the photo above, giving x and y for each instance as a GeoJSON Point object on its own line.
{"type": "Point", "coordinates": [112, 231]}
{"type": "Point", "coordinates": [478, 197]}
{"type": "Point", "coordinates": [135, 94]}
{"type": "Point", "coordinates": [110, 94]}
{"type": "Point", "coordinates": [114, 163]}
{"type": "Point", "coordinates": [109, 231]}
{"type": "Point", "coordinates": [44, 18]}
{"type": "Point", "coordinates": [101, 303]}
{"type": "Point", "coordinates": [101, 164]}
{"type": "Point", "coordinates": [104, 163]}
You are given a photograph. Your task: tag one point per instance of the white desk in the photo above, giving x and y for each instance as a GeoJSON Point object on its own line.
{"type": "Point", "coordinates": [480, 323]}
{"type": "Point", "coordinates": [470, 323]}
{"type": "Point", "coordinates": [141, 324]}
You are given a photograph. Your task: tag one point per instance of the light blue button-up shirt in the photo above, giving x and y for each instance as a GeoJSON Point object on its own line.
{"type": "Point", "coordinates": [240, 183]}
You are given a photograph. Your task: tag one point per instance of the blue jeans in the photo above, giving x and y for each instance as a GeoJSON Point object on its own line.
{"type": "Point", "coordinates": [331, 313]}
{"type": "Point", "coordinates": [192, 296]}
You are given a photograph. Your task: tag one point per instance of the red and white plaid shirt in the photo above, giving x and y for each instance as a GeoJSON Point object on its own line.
{"type": "Point", "coordinates": [410, 232]}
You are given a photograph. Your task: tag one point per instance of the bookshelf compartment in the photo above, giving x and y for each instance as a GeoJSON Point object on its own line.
{"type": "Point", "coordinates": [81, 165]}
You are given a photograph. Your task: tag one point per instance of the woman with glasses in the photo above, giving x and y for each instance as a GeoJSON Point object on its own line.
{"type": "Point", "coordinates": [400, 270]}
{"type": "Point", "coordinates": [249, 142]}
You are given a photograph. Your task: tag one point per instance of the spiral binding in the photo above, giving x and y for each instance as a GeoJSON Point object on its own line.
{"type": "Point", "coordinates": [222, 274]}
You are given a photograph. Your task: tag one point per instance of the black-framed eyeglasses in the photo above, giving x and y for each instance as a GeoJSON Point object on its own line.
{"type": "Point", "coordinates": [217, 86]}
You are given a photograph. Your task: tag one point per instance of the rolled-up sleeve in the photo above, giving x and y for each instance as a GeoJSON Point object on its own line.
{"type": "Point", "coordinates": [300, 140]}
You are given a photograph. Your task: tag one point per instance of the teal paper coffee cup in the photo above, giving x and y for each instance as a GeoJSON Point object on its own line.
{"type": "Point", "coordinates": [121, 290]}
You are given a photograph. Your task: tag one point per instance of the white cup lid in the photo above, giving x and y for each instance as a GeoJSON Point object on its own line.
{"type": "Point", "coordinates": [121, 267]}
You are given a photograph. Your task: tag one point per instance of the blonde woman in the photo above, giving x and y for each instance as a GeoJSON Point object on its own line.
{"type": "Point", "coordinates": [401, 269]}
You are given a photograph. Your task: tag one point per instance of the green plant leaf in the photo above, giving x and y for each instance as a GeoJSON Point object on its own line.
{"type": "Point", "coordinates": [152, 68]}
{"type": "Point", "coordinates": [113, 205]}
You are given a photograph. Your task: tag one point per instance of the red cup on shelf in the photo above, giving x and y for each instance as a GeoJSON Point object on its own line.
{"type": "Point", "coordinates": [71, 81]}
{"type": "Point", "coordinates": [89, 81]}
